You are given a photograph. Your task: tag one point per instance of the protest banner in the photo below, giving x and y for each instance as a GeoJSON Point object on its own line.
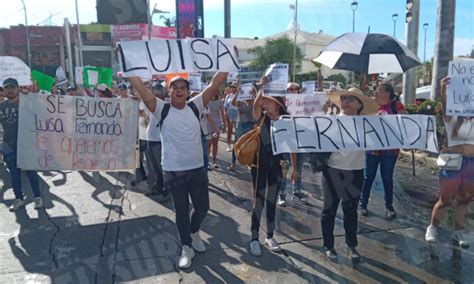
{"type": "Point", "coordinates": [94, 76]}
{"type": "Point", "coordinates": [79, 75]}
{"type": "Point", "coordinates": [303, 134]}
{"type": "Point", "coordinates": [459, 93]}
{"type": "Point", "coordinates": [152, 57]}
{"type": "Point", "coordinates": [76, 133]}
{"type": "Point", "coordinates": [246, 92]}
{"type": "Point", "coordinates": [44, 81]}
{"type": "Point", "coordinates": [195, 82]}
{"type": "Point", "coordinates": [308, 87]}
{"type": "Point", "coordinates": [13, 67]}
{"type": "Point", "coordinates": [277, 79]}
{"type": "Point", "coordinates": [306, 104]}
{"type": "Point", "coordinates": [60, 76]}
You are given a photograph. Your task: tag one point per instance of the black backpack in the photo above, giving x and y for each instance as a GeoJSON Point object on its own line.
{"type": "Point", "coordinates": [166, 110]}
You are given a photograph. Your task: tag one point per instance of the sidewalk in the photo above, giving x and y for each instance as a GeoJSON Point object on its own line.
{"type": "Point", "coordinates": [96, 229]}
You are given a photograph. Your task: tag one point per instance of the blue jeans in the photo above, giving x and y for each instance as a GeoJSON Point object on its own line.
{"type": "Point", "coordinates": [387, 166]}
{"type": "Point", "coordinates": [241, 129]}
{"type": "Point", "coordinates": [300, 157]}
{"type": "Point", "coordinates": [15, 174]}
{"type": "Point", "coordinates": [205, 148]}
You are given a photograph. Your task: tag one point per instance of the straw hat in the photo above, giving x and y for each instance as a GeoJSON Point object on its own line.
{"type": "Point", "coordinates": [279, 100]}
{"type": "Point", "coordinates": [369, 105]}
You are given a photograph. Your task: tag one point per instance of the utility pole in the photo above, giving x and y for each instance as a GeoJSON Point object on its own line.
{"type": "Point", "coordinates": [444, 45]}
{"type": "Point", "coordinates": [28, 48]}
{"type": "Point", "coordinates": [79, 39]}
{"type": "Point", "coordinates": [411, 37]}
{"type": "Point", "coordinates": [227, 24]}
{"type": "Point", "coordinates": [68, 50]}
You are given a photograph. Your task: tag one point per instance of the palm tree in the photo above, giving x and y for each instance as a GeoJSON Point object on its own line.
{"type": "Point", "coordinates": [444, 46]}
{"type": "Point", "coordinates": [168, 21]}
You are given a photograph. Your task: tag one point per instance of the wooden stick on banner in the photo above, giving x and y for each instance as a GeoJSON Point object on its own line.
{"type": "Point", "coordinates": [413, 161]}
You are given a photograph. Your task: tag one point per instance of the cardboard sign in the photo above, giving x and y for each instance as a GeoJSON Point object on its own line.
{"type": "Point", "coordinates": [195, 82]}
{"type": "Point", "coordinates": [94, 76]}
{"type": "Point", "coordinates": [460, 95]}
{"type": "Point", "coordinates": [13, 67]}
{"type": "Point", "coordinates": [246, 92]}
{"type": "Point", "coordinates": [60, 76]}
{"type": "Point", "coordinates": [303, 134]}
{"type": "Point", "coordinates": [152, 57]}
{"type": "Point", "coordinates": [79, 75]}
{"type": "Point", "coordinates": [306, 104]}
{"type": "Point", "coordinates": [44, 81]}
{"type": "Point", "coordinates": [277, 79]}
{"type": "Point", "coordinates": [77, 133]}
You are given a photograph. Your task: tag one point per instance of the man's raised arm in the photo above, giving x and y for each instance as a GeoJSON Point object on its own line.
{"type": "Point", "coordinates": [218, 79]}
{"type": "Point", "coordinates": [147, 97]}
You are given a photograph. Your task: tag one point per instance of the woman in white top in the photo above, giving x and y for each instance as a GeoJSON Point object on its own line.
{"type": "Point", "coordinates": [344, 177]}
{"type": "Point", "coordinates": [455, 185]}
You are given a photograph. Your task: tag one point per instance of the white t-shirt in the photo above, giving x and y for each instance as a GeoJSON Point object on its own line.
{"type": "Point", "coordinates": [152, 131]}
{"type": "Point", "coordinates": [465, 133]}
{"type": "Point", "coordinates": [349, 161]}
{"type": "Point", "coordinates": [181, 148]}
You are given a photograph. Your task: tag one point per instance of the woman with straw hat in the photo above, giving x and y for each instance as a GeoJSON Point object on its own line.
{"type": "Point", "coordinates": [343, 169]}
{"type": "Point", "coordinates": [266, 169]}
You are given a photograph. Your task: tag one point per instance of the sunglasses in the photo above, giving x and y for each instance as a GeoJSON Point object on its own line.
{"type": "Point", "coordinates": [349, 99]}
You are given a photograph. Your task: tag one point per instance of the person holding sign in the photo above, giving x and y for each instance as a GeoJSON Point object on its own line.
{"type": "Point", "coordinates": [245, 120]}
{"type": "Point", "coordinates": [230, 111]}
{"type": "Point", "coordinates": [266, 169]}
{"type": "Point", "coordinates": [182, 155]}
{"type": "Point", "coordinates": [9, 120]}
{"type": "Point", "coordinates": [343, 177]}
{"type": "Point", "coordinates": [455, 185]}
{"type": "Point", "coordinates": [388, 103]}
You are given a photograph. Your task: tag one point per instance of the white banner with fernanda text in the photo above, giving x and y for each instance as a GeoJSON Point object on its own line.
{"type": "Point", "coordinates": [77, 133]}
{"type": "Point", "coordinates": [301, 134]}
{"type": "Point", "coordinates": [164, 56]}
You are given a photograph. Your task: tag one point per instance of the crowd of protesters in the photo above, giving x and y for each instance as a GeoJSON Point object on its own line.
{"type": "Point", "coordinates": [178, 135]}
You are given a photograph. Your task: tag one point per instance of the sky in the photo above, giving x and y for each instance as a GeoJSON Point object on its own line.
{"type": "Point", "coordinates": [260, 18]}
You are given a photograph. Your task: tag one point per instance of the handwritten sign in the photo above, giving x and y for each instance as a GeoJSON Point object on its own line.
{"type": "Point", "coordinates": [78, 75]}
{"type": "Point", "coordinates": [277, 80]}
{"type": "Point", "coordinates": [13, 67]}
{"type": "Point", "coordinates": [60, 76]}
{"type": "Point", "coordinates": [246, 92]}
{"type": "Point", "coordinates": [302, 134]}
{"type": "Point", "coordinates": [76, 133]}
{"type": "Point", "coordinates": [306, 104]}
{"type": "Point", "coordinates": [152, 57]}
{"type": "Point", "coordinates": [195, 82]}
{"type": "Point", "coordinates": [460, 95]}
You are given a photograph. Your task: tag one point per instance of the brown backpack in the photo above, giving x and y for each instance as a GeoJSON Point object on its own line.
{"type": "Point", "coordinates": [248, 145]}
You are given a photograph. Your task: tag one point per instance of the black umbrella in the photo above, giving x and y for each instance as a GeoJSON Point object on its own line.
{"type": "Point", "coordinates": [368, 54]}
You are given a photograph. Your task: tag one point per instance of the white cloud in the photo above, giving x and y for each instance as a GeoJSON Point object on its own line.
{"type": "Point", "coordinates": [463, 46]}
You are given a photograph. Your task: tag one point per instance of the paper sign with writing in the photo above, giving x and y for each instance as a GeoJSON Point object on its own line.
{"type": "Point", "coordinates": [60, 76]}
{"type": "Point", "coordinates": [302, 134]}
{"type": "Point", "coordinates": [308, 87]}
{"type": "Point", "coordinates": [204, 86]}
{"type": "Point", "coordinates": [163, 56]}
{"type": "Point", "coordinates": [13, 67]}
{"type": "Point", "coordinates": [78, 75]}
{"type": "Point", "coordinates": [233, 76]}
{"type": "Point", "coordinates": [277, 79]}
{"type": "Point", "coordinates": [195, 82]}
{"type": "Point", "coordinates": [246, 92]}
{"type": "Point", "coordinates": [77, 133]}
{"type": "Point", "coordinates": [306, 104]}
{"type": "Point", "coordinates": [93, 77]}
{"type": "Point", "coordinates": [460, 94]}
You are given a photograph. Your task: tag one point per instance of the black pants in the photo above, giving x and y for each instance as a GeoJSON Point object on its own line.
{"type": "Point", "coordinates": [155, 173]}
{"type": "Point", "coordinates": [141, 170]}
{"type": "Point", "coordinates": [266, 192]}
{"type": "Point", "coordinates": [182, 185]}
{"type": "Point", "coordinates": [346, 186]}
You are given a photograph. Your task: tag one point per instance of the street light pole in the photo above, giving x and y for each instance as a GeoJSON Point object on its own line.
{"type": "Point", "coordinates": [79, 39]}
{"type": "Point", "coordinates": [354, 8]}
{"type": "Point", "coordinates": [425, 27]}
{"type": "Point", "coordinates": [295, 26]}
{"type": "Point", "coordinates": [28, 52]}
{"type": "Point", "coordinates": [395, 18]}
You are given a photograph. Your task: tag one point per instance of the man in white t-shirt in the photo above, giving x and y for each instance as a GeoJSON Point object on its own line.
{"type": "Point", "coordinates": [182, 155]}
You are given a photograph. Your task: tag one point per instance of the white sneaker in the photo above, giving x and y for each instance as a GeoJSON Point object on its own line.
{"type": "Point", "coordinates": [255, 248]}
{"type": "Point", "coordinates": [187, 255]}
{"type": "Point", "coordinates": [459, 238]}
{"type": "Point", "coordinates": [431, 235]}
{"type": "Point", "coordinates": [38, 203]}
{"type": "Point", "coordinates": [273, 245]}
{"type": "Point", "coordinates": [16, 205]}
{"type": "Point", "coordinates": [281, 201]}
{"type": "Point", "coordinates": [197, 243]}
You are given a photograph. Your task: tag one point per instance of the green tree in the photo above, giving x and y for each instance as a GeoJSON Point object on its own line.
{"type": "Point", "coordinates": [276, 50]}
{"type": "Point", "coordinates": [337, 77]}
{"type": "Point", "coordinates": [168, 21]}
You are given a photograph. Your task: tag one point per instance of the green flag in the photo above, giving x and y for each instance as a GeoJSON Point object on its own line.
{"type": "Point", "coordinates": [44, 81]}
{"type": "Point", "coordinates": [94, 76]}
